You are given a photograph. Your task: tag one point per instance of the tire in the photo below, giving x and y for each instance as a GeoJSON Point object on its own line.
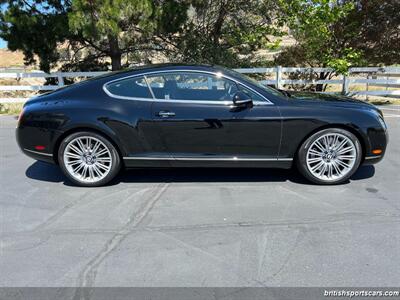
{"type": "Point", "coordinates": [330, 156]}
{"type": "Point", "coordinates": [90, 167]}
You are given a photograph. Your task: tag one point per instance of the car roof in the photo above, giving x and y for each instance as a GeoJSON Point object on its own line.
{"type": "Point", "coordinates": [172, 66]}
{"type": "Point", "coordinates": [161, 67]}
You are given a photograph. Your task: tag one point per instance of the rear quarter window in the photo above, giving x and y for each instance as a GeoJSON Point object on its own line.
{"type": "Point", "coordinates": [135, 87]}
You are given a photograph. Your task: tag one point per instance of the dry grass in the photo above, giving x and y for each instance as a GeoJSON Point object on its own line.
{"type": "Point", "coordinates": [11, 59]}
{"type": "Point", "coordinates": [10, 108]}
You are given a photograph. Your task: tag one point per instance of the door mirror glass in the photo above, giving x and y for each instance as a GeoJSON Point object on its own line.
{"type": "Point", "coordinates": [242, 99]}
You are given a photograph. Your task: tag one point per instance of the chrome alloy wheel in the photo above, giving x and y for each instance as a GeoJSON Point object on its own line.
{"type": "Point", "coordinates": [331, 157]}
{"type": "Point", "coordinates": [87, 159]}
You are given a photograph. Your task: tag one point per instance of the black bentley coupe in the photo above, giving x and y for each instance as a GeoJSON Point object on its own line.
{"type": "Point", "coordinates": [197, 116]}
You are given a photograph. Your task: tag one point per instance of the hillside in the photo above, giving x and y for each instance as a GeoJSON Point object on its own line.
{"type": "Point", "coordinates": [9, 59]}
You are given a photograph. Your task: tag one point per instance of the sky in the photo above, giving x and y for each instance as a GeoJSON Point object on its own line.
{"type": "Point", "coordinates": [3, 44]}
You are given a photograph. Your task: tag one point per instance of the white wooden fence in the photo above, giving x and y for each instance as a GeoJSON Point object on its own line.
{"type": "Point", "coordinates": [386, 77]}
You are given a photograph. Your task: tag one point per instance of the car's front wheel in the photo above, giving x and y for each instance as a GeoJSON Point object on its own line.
{"type": "Point", "coordinates": [329, 156]}
{"type": "Point", "coordinates": [88, 159]}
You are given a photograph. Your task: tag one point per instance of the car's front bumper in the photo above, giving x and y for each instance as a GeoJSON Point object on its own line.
{"type": "Point", "coordinates": [378, 140]}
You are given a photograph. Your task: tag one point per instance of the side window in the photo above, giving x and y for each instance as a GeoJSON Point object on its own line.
{"type": "Point", "coordinates": [253, 95]}
{"type": "Point", "coordinates": [191, 86]}
{"type": "Point", "coordinates": [135, 87]}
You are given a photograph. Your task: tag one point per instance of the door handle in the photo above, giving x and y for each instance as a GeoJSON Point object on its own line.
{"type": "Point", "coordinates": [166, 114]}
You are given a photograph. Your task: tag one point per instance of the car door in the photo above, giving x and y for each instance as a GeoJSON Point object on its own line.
{"type": "Point", "coordinates": [197, 121]}
{"type": "Point", "coordinates": [137, 128]}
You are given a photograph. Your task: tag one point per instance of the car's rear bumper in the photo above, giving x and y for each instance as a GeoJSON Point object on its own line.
{"type": "Point", "coordinates": [27, 141]}
{"type": "Point", "coordinates": [42, 156]}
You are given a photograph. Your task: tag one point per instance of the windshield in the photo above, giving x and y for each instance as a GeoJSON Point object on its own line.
{"type": "Point", "coordinates": [256, 83]}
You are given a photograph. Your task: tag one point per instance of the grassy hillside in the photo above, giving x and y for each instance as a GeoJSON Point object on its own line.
{"type": "Point", "coordinates": [9, 59]}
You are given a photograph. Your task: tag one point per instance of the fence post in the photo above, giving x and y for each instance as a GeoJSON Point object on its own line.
{"type": "Point", "coordinates": [60, 80]}
{"type": "Point", "coordinates": [345, 86]}
{"type": "Point", "coordinates": [278, 83]}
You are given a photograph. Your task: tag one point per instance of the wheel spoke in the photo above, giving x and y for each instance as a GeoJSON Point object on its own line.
{"type": "Point", "coordinates": [344, 150]}
{"type": "Point", "coordinates": [76, 149]}
{"type": "Point", "coordinates": [342, 163]}
{"type": "Point", "coordinates": [91, 174]}
{"type": "Point", "coordinates": [72, 155]}
{"type": "Point", "coordinates": [317, 166]}
{"type": "Point", "coordinates": [336, 168]}
{"type": "Point", "coordinates": [330, 170]}
{"type": "Point", "coordinates": [74, 162]}
{"type": "Point", "coordinates": [326, 142]}
{"type": "Point", "coordinates": [103, 159]}
{"type": "Point", "coordinates": [104, 151]}
{"type": "Point", "coordinates": [341, 157]}
{"type": "Point", "coordinates": [81, 146]}
{"type": "Point", "coordinates": [314, 160]}
{"type": "Point", "coordinates": [95, 147]}
{"type": "Point", "coordinates": [319, 146]}
{"type": "Point", "coordinates": [102, 166]}
{"type": "Point", "coordinates": [97, 171]}
{"type": "Point", "coordinates": [314, 152]}
{"type": "Point", "coordinates": [341, 145]}
{"type": "Point", "coordinates": [335, 140]}
{"type": "Point", "coordinates": [80, 167]}
{"type": "Point", "coordinates": [89, 142]}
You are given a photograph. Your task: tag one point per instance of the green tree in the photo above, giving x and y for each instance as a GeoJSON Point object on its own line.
{"type": "Point", "coordinates": [313, 24]}
{"type": "Point", "coordinates": [373, 27]}
{"type": "Point", "coordinates": [112, 27]}
{"type": "Point", "coordinates": [86, 34]}
{"type": "Point", "coordinates": [36, 28]}
{"type": "Point", "coordinates": [320, 40]}
{"type": "Point", "coordinates": [226, 32]}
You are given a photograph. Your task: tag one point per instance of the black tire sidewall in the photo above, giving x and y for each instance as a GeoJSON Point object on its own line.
{"type": "Point", "coordinates": [115, 167]}
{"type": "Point", "coordinates": [302, 154]}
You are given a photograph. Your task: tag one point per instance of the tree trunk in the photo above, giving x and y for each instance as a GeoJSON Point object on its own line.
{"type": "Point", "coordinates": [216, 32]}
{"type": "Point", "coordinates": [321, 87]}
{"type": "Point", "coordinates": [115, 53]}
{"type": "Point", "coordinates": [115, 61]}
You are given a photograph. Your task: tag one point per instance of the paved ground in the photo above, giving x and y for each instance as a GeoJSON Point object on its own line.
{"type": "Point", "coordinates": [199, 227]}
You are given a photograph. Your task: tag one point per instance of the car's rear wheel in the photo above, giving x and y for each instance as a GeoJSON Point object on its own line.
{"type": "Point", "coordinates": [88, 159]}
{"type": "Point", "coordinates": [330, 156]}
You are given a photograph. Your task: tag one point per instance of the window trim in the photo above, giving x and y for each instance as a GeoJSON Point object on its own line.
{"type": "Point", "coordinates": [226, 103]}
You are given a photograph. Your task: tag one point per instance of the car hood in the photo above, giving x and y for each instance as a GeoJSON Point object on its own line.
{"type": "Point", "coordinates": [329, 99]}
{"type": "Point", "coordinates": [323, 97]}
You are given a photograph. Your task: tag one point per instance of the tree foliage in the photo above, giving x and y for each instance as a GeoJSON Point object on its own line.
{"type": "Point", "coordinates": [313, 25]}
{"type": "Point", "coordinates": [373, 27]}
{"type": "Point", "coordinates": [226, 32]}
{"type": "Point", "coordinates": [339, 34]}
{"type": "Point", "coordinates": [94, 34]}
{"type": "Point", "coordinates": [36, 28]}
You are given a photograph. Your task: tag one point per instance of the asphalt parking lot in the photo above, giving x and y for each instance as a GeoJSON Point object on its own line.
{"type": "Point", "coordinates": [198, 227]}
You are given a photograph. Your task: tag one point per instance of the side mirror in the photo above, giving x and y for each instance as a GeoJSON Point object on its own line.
{"type": "Point", "coordinates": [242, 99]}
